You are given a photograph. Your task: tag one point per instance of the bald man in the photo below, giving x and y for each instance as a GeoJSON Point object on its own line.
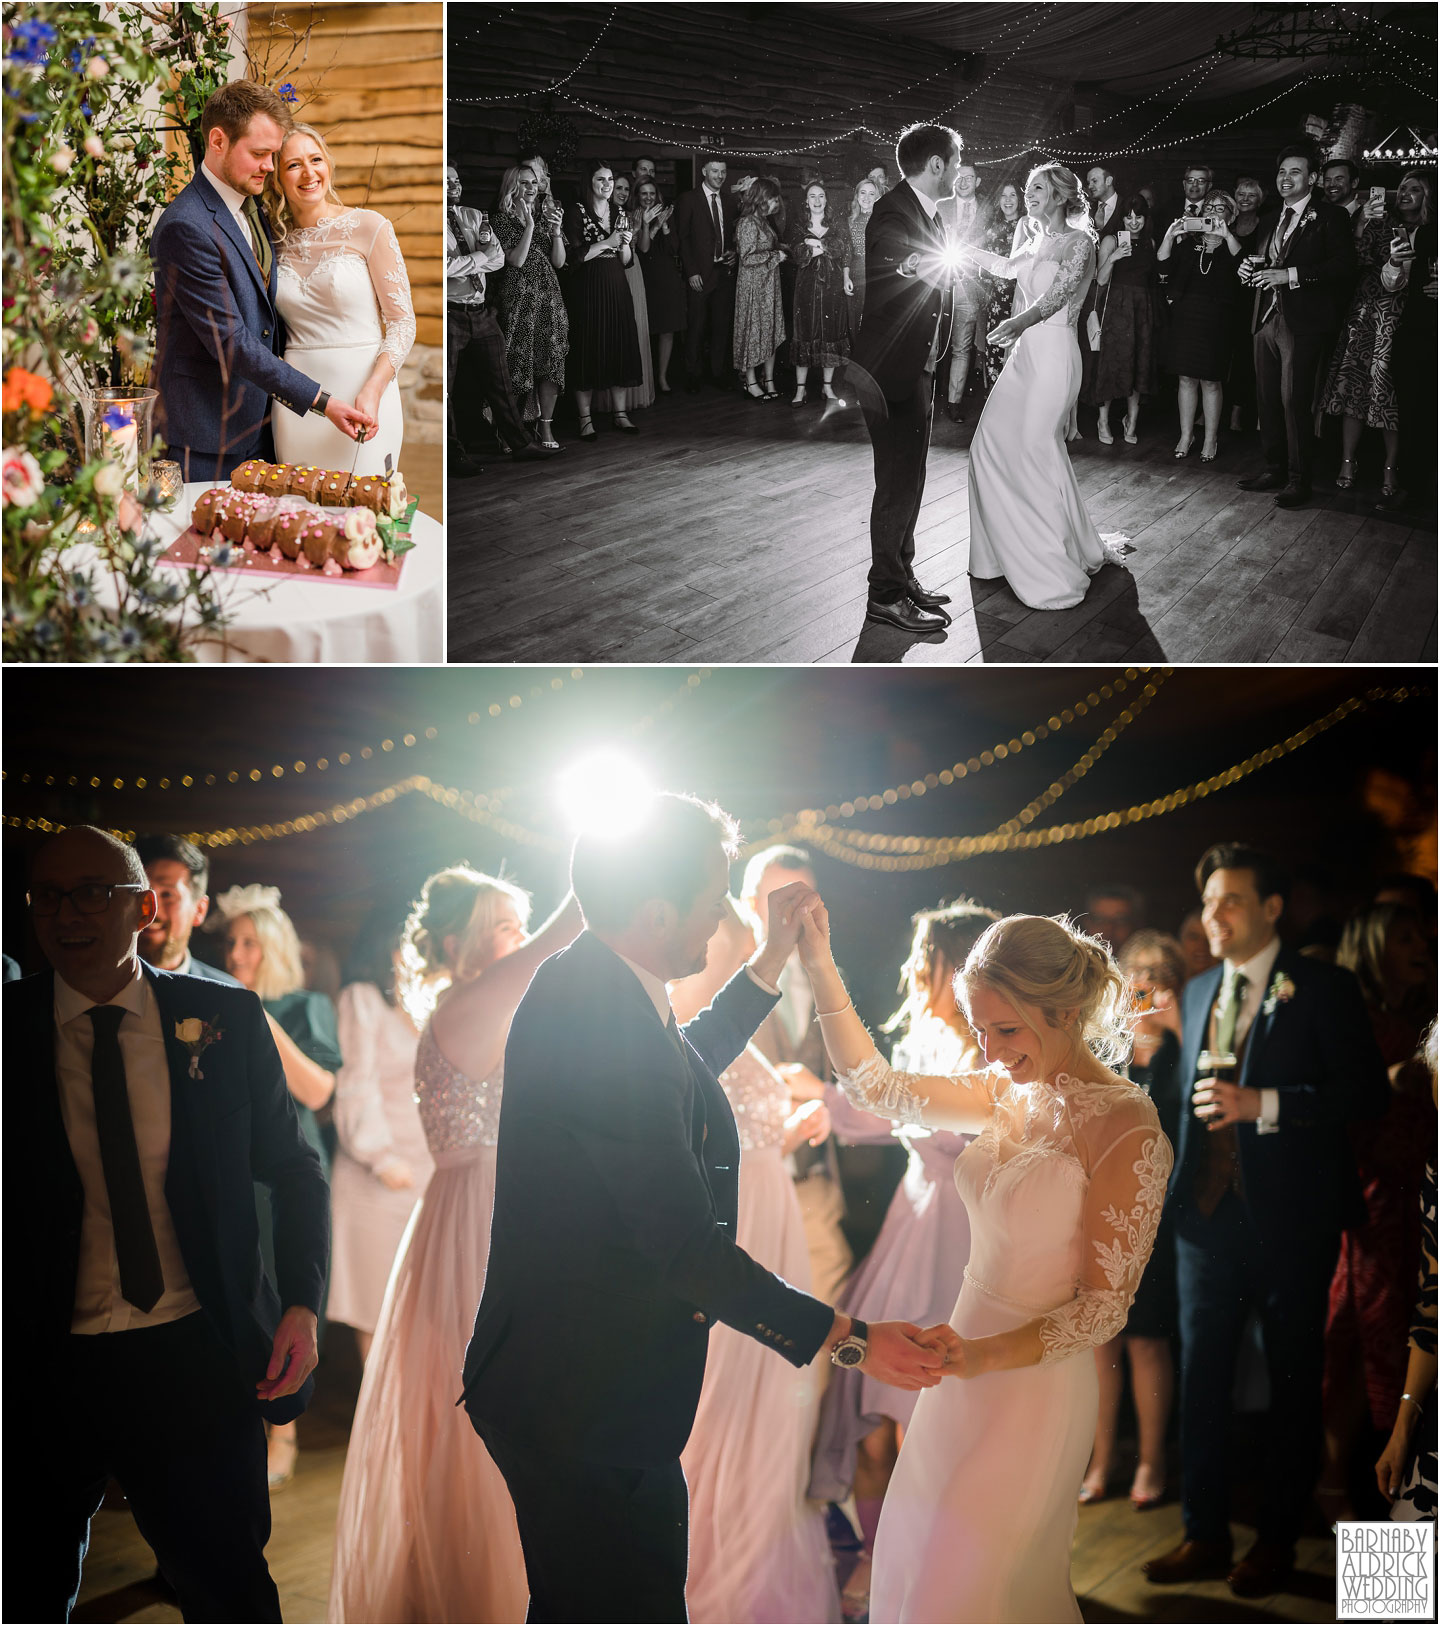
{"type": "Point", "coordinates": [149, 1346]}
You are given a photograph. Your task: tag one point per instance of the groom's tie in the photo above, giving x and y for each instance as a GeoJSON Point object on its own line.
{"type": "Point", "coordinates": [259, 242]}
{"type": "Point", "coordinates": [141, 1279]}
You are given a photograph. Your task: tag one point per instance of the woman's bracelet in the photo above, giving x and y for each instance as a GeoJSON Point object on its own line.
{"type": "Point", "coordinates": [845, 1007]}
{"type": "Point", "coordinates": [1417, 1404]}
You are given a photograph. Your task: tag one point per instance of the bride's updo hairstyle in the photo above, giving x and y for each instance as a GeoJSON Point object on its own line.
{"type": "Point", "coordinates": [458, 902]}
{"type": "Point", "coordinates": [1066, 190]}
{"type": "Point", "coordinates": [1044, 965]}
{"type": "Point", "coordinates": [276, 206]}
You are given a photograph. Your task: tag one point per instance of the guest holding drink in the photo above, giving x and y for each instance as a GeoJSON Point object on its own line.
{"type": "Point", "coordinates": [664, 284]}
{"type": "Point", "coordinates": [605, 343]}
{"type": "Point", "coordinates": [634, 218]}
{"type": "Point", "coordinates": [1128, 308]}
{"type": "Point", "coordinates": [532, 308]}
{"type": "Point", "coordinates": [822, 253]}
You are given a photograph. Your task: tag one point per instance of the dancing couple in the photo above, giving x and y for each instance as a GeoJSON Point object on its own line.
{"type": "Point", "coordinates": [612, 1249]}
{"type": "Point", "coordinates": [1027, 518]}
{"type": "Point", "coordinates": [283, 318]}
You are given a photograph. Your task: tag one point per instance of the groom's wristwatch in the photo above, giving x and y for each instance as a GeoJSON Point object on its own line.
{"type": "Point", "coordinates": [321, 402]}
{"type": "Point", "coordinates": [851, 1349]}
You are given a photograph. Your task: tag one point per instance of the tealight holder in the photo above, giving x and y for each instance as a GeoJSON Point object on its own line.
{"type": "Point", "coordinates": [168, 480]}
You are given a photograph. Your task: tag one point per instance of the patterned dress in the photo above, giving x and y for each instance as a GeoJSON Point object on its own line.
{"type": "Point", "coordinates": [1417, 1495]}
{"type": "Point", "coordinates": [532, 310]}
{"type": "Point", "coordinates": [857, 271]}
{"type": "Point", "coordinates": [1362, 377]}
{"type": "Point", "coordinates": [999, 239]}
{"type": "Point", "coordinates": [1129, 311]}
{"type": "Point", "coordinates": [759, 317]}
{"type": "Point", "coordinates": [822, 312]}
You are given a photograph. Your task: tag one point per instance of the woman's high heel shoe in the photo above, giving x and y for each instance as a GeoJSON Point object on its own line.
{"type": "Point", "coordinates": [753, 390]}
{"type": "Point", "coordinates": [1183, 449]}
{"type": "Point", "coordinates": [1211, 455]}
{"type": "Point", "coordinates": [771, 393]}
{"type": "Point", "coordinates": [1346, 477]}
{"type": "Point", "coordinates": [1102, 429]}
{"type": "Point", "coordinates": [547, 437]}
{"type": "Point", "coordinates": [1389, 486]}
{"type": "Point", "coordinates": [623, 424]}
{"type": "Point", "coordinates": [587, 428]}
{"type": "Point", "coordinates": [828, 393]}
{"type": "Point", "coordinates": [1128, 429]}
{"type": "Point", "coordinates": [798, 399]}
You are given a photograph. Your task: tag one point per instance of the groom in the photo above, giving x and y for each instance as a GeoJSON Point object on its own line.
{"type": "Point", "coordinates": [219, 336]}
{"type": "Point", "coordinates": [909, 308]}
{"type": "Point", "coordinates": [612, 1244]}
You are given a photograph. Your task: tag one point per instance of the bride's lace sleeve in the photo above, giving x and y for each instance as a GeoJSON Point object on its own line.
{"type": "Point", "coordinates": [1071, 280]}
{"type": "Point", "coordinates": [392, 289]}
{"type": "Point", "coordinates": [998, 265]}
{"type": "Point", "coordinates": [963, 1102]}
{"type": "Point", "coordinates": [1129, 1162]}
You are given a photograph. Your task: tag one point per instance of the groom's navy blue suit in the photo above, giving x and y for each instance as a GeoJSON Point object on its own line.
{"type": "Point", "coordinates": [1269, 1246]}
{"type": "Point", "coordinates": [219, 338]}
{"type": "Point", "coordinates": [907, 320]}
{"type": "Point", "coordinates": [169, 1410]}
{"type": "Point", "coordinates": [612, 1251]}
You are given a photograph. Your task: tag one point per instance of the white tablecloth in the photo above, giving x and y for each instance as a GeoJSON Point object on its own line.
{"type": "Point", "coordinates": [331, 621]}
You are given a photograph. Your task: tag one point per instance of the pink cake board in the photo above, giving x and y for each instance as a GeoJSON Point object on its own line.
{"type": "Point", "coordinates": [185, 553]}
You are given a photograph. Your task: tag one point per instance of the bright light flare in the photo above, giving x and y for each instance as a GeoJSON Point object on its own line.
{"type": "Point", "coordinates": [604, 793]}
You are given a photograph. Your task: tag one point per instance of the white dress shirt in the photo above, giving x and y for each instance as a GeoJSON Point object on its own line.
{"type": "Point", "coordinates": [797, 999]}
{"type": "Point", "coordinates": [99, 1304]}
{"type": "Point", "coordinates": [235, 202]}
{"type": "Point", "coordinates": [1256, 971]}
{"type": "Point", "coordinates": [1284, 232]}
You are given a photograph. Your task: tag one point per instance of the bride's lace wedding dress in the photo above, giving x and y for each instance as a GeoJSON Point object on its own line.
{"type": "Point", "coordinates": [1027, 517]}
{"type": "Point", "coordinates": [344, 294]}
{"type": "Point", "coordinates": [1064, 1188]}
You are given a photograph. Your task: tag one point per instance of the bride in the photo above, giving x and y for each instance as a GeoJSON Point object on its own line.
{"type": "Point", "coordinates": [342, 290]}
{"type": "Point", "coordinates": [1063, 1183]}
{"type": "Point", "coordinates": [1027, 519]}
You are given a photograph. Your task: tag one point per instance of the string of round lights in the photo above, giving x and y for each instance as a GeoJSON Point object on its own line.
{"type": "Point", "coordinates": [928, 852]}
{"type": "Point", "coordinates": [1002, 751]}
{"type": "Point", "coordinates": [187, 780]}
{"type": "Point", "coordinates": [1171, 110]}
{"type": "Point", "coordinates": [604, 29]}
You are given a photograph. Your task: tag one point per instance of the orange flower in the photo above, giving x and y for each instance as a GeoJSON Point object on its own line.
{"type": "Point", "coordinates": [26, 389]}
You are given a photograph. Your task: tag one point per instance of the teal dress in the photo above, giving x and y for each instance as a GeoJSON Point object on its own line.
{"type": "Point", "coordinates": [308, 1017]}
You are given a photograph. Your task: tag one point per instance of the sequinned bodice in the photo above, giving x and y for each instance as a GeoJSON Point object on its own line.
{"type": "Point", "coordinates": [456, 1111]}
{"type": "Point", "coordinates": [759, 1100]}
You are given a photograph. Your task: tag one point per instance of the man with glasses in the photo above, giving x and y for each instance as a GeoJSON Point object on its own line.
{"type": "Point", "coordinates": [152, 1346]}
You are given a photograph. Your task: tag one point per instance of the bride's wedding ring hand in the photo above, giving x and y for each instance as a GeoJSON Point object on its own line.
{"type": "Point", "coordinates": [1006, 333]}
{"type": "Point", "coordinates": [943, 1338]}
{"type": "Point", "coordinates": [895, 1356]}
{"type": "Point", "coordinates": [349, 420]}
{"type": "Point", "coordinates": [814, 944]}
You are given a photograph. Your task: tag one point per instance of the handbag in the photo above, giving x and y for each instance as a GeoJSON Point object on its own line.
{"type": "Point", "coordinates": [1094, 325]}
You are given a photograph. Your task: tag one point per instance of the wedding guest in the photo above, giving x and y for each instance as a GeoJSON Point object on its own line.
{"type": "Point", "coordinates": [1204, 284]}
{"type": "Point", "coordinates": [643, 170]}
{"type": "Point", "coordinates": [605, 341]}
{"type": "Point", "coordinates": [1240, 386]}
{"type": "Point", "coordinates": [1340, 180]}
{"type": "Point", "coordinates": [1113, 911]}
{"type": "Point", "coordinates": [758, 1547]}
{"type": "Point", "coordinates": [966, 220]}
{"type": "Point", "coordinates": [1374, 1284]}
{"type": "Point", "coordinates": [861, 206]}
{"type": "Point", "coordinates": [179, 876]}
{"type": "Point", "coordinates": [1195, 186]}
{"type": "Point", "coordinates": [475, 363]}
{"type": "Point", "coordinates": [822, 252]}
{"type": "Point", "coordinates": [1406, 1472]}
{"type": "Point", "coordinates": [1195, 945]}
{"type": "Point", "coordinates": [1155, 968]}
{"type": "Point", "coordinates": [1001, 238]}
{"type": "Point", "coordinates": [532, 308]}
{"type": "Point", "coordinates": [1301, 295]}
{"type": "Point", "coordinates": [879, 179]}
{"type": "Point", "coordinates": [1361, 386]}
{"type": "Point", "coordinates": [918, 1260]}
{"type": "Point", "coordinates": [262, 952]}
{"type": "Point", "coordinates": [382, 1164]}
{"type": "Point", "coordinates": [153, 1102]}
{"type": "Point", "coordinates": [1105, 212]}
{"type": "Point", "coordinates": [664, 286]}
{"type": "Point", "coordinates": [1415, 346]}
{"type": "Point", "coordinates": [759, 316]}
{"type": "Point", "coordinates": [1128, 309]}
{"type": "Point", "coordinates": [425, 1529]}
{"type": "Point", "coordinates": [1105, 218]}
{"type": "Point", "coordinates": [1264, 1181]}
{"type": "Point", "coordinates": [634, 218]}
{"type": "Point", "coordinates": [705, 231]}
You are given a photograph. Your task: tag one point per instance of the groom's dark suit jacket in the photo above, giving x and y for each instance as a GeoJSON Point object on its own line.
{"type": "Point", "coordinates": [228, 1129]}
{"type": "Point", "coordinates": [612, 1247]}
{"type": "Point", "coordinates": [902, 314]}
{"type": "Point", "coordinates": [1322, 251]}
{"type": "Point", "coordinates": [1318, 1050]}
{"type": "Point", "coordinates": [219, 338]}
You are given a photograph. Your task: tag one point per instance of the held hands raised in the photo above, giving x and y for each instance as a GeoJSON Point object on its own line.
{"type": "Point", "coordinates": [897, 1353]}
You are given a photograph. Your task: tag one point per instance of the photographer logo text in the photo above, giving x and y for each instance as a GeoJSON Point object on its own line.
{"type": "Point", "coordinates": [1384, 1571]}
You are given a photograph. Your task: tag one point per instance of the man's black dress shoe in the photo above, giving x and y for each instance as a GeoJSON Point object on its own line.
{"type": "Point", "coordinates": [461, 466]}
{"type": "Point", "coordinates": [907, 616]}
{"type": "Point", "coordinates": [1270, 480]}
{"type": "Point", "coordinates": [923, 596]}
{"type": "Point", "coordinates": [531, 450]}
{"type": "Point", "coordinates": [1292, 496]}
{"type": "Point", "coordinates": [955, 411]}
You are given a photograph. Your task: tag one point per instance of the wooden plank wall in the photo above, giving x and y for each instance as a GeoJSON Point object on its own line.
{"type": "Point", "coordinates": [776, 71]}
{"type": "Point", "coordinates": [373, 83]}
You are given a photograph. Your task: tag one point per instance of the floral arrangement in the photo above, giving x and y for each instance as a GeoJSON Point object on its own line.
{"type": "Point", "coordinates": [197, 1036]}
{"type": "Point", "coordinates": [1282, 991]}
{"type": "Point", "coordinates": [556, 139]}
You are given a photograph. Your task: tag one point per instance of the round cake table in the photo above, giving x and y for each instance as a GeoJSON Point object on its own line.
{"type": "Point", "coordinates": [327, 621]}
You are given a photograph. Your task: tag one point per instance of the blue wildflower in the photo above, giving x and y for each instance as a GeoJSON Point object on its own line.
{"type": "Point", "coordinates": [117, 418]}
{"type": "Point", "coordinates": [30, 41]}
{"type": "Point", "coordinates": [129, 637]}
{"type": "Point", "coordinates": [45, 632]}
{"type": "Point", "coordinates": [287, 93]}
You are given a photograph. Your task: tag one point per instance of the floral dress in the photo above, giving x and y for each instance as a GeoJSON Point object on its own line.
{"type": "Point", "coordinates": [822, 312]}
{"type": "Point", "coordinates": [532, 310]}
{"type": "Point", "coordinates": [759, 316]}
{"type": "Point", "coordinates": [1362, 380]}
{"type": "Point", "coordinates": [858, 225]}
{"type": "Point", "coordinates": [999, 239]}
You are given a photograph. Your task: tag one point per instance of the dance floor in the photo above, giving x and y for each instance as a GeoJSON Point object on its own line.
{"type": "Point", "coordinates": [1110, 1545]}
{"type": "Point", "coordinates": [731, 531]}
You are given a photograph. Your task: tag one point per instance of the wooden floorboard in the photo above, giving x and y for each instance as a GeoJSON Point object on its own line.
{"type": "Point", "coordinates": [730, 532]}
